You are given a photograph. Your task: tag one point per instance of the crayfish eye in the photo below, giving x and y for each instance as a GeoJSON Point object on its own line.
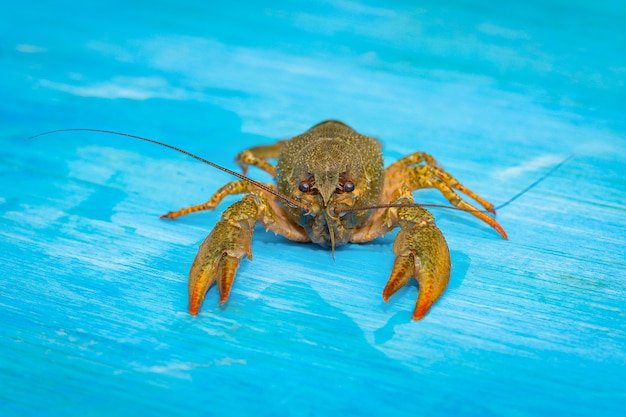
{"type": "Point", "coordinates": [304, 186]}
{"type": "Point", "coordinates": [348, 187]}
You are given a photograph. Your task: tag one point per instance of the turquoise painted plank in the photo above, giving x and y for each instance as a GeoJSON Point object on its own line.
{"type": "Point", "coordinates": [93, 284]}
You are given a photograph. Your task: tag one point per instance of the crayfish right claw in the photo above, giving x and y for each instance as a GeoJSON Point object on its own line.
{"type": "Point", "coordinates": [421, 253]}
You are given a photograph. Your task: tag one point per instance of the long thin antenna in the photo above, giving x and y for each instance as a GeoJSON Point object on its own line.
{"type": "Point", "coordinates": [535, 183]}
{"type": "Point", "coordinates": [214, 165]}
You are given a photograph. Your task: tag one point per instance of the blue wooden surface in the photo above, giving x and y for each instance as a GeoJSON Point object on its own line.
{"type": "Point", "coordinates": [93, 284]}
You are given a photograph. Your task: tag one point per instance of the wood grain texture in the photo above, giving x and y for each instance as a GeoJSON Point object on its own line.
{"type": "Point", "coordinates": [93, 285]}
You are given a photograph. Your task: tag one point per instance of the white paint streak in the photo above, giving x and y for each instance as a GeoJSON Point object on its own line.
{"type": "Point", "coordinates": [182, 369]}
{"type": "Point", "coordinates": [358, 8]}
{"type": "Point", "coordinates": [134, 88]}
{"type": "Point", "coordinates": [502, 32]}
{"type": "Point", "coordinates": [35, 216]}
{"type": "Point", "coordinates": [531, 165]}
{"type": "Point", "coordinates": [29, 49]}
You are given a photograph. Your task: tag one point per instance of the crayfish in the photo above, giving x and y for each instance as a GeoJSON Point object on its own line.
{"type": "Point", "coordinates": [331, 189]}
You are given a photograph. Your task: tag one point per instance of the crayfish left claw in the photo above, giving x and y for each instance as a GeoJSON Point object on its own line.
{"type": "Point", "coordinates": [422, 253]}
{"type": "Point", "coordinates": [220, 253]}
{"type": "Point", "coordinates": [203, 274]}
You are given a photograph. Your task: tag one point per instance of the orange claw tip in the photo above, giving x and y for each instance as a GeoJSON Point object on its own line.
{"type": "Point", "coordinates": [418, 316]}
{"type": "Point", "coordinates": [422, 308]}
{"type": "Point", "coordinates": [195, 303]}
{"type": "Point", "coordinates": [389, 291]}
{"type": "Point", "coordinates": [194, 308]}
{"type": "Point", "coordinates": [501, 231]}
{"type": "Point", "coordinates": [421, 311]}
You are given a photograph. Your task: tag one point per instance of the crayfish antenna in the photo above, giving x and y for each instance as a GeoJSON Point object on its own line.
{"type": "Point", "coordinates": [261, 186]}
{"type": "Point", "coordinates": [536, 182]}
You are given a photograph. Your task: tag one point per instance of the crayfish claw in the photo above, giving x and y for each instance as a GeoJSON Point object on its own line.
{"type": "Point", "coordinates": [219, 255]}
{"type": "Point", "coordinates": [421, 253]}
{"type": "Point", "coordinates": [402, 270]}
{"type": "Point", "coordinates": [228, 268]}
{"type": "Point", "coordinates": [204, 273]}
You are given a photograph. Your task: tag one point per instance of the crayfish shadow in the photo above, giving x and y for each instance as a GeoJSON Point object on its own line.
{"type": "Point", "coordinates": [460, 264]}
{"type": "Point", "coordinates": [313, 339]}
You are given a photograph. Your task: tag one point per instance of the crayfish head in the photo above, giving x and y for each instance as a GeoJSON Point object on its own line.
{"type": "Point", "coordinates": [326, 192]}
{"type": "Point", "coordinates": [323, 193]}
{"type": "Point", "coordinates": [327, 169]}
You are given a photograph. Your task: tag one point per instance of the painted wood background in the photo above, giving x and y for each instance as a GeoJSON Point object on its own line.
{"type": "Point", "coordinates": [93, 285]}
